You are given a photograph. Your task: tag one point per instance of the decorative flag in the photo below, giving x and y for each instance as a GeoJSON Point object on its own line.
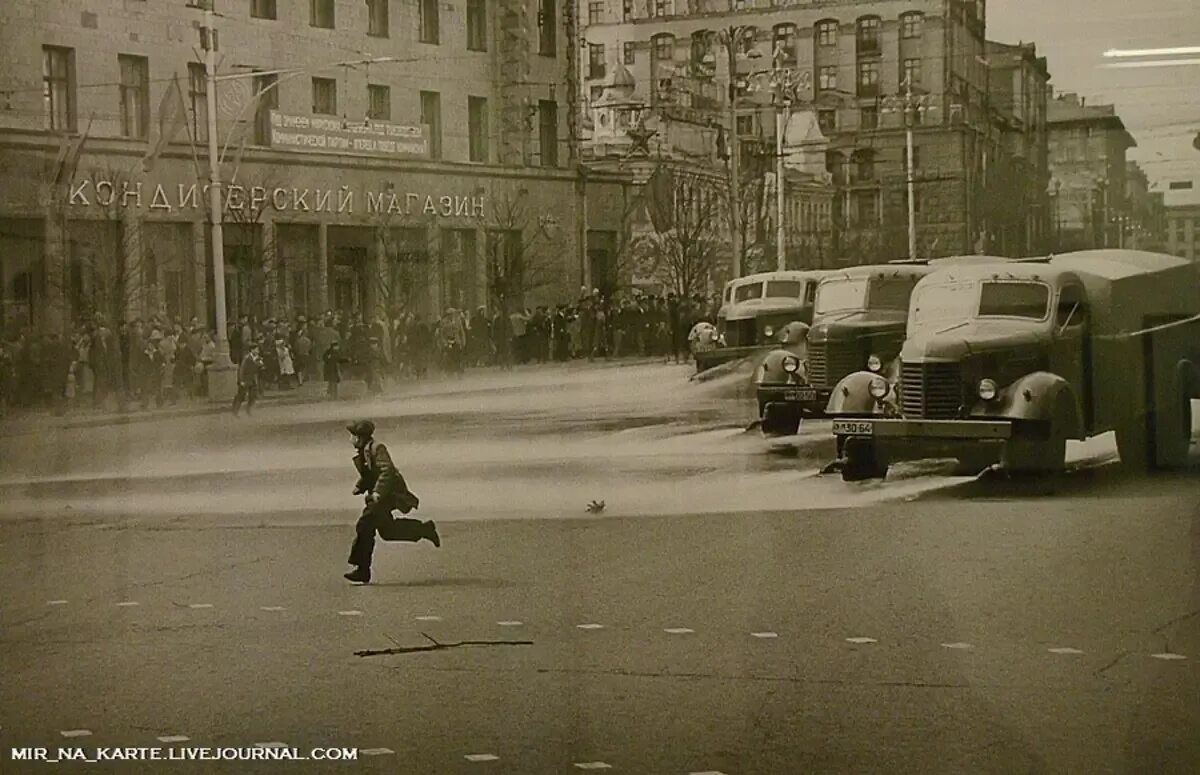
{"type": "Point", "coordinates": [660, 199]}
{"type": "Point", "coordinates": [68, 156]}
{"type": "Point", "coordinates": [172, 117]}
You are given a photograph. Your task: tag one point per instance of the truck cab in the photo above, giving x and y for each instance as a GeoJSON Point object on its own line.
{"type": "Point", "coordinates": [1005, 363]}
{"type": "Point", "coordinates": [755, 309]}
{"type": "Point", "coordinates": [859, 318]}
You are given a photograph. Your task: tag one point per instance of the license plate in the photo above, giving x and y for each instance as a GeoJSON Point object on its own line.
{"type": "Point", "coordinates": [853, 428]}
{"type": "Point", "coordinates": [803, 394]}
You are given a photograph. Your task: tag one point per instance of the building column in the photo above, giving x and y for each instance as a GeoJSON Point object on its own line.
{"type": "Point", "coordinates": [322, 290]}
{"type": "Point", "coordinates": [53, 314]}
{"type": "Point", "coordinates": [137, 303]}
{"type": "Point", "coordinates": [272, 268]}
{"type": "Point", "coordinates": [376, 259]}
{"type": "Point", "coordinates": [200, 273]}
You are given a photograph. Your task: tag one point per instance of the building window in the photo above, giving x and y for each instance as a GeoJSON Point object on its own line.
{"type": "Point", "coordinates": [58, 88]}
{"type": "Point", "coordinates": [262, 9]}
{"type": "Point", "coordinates": [547, 28]}
{"type": "Point", "coordinates": [911, 73]}
{"type": "Point", "coordinates": [266, 87]}
{"type": "Point", "coordinates": [595, 12]}
{"type": "Point", "coordinates": [320, 13]}
{"type": "Point", "coordinates": [870, 117]}
{"type": "Point", "coordinates": [324, 96]}
{"type": "Point", "coordinates": [827, 120]}
{"type": "Point", "coordinates": [911, 25]}
{"type": "Point", "coordinates": [377, 18]}
{"type": "Point", "coordinates": [429, 21]}
{"type": "Point", "coordinates": [431, 116]}
{"type": "Point", "coordinates": [745, 126]}
{"type": "Point", "coordinates": [477, 25]}
{"type": "Point", "coordinates": [868, 79]}
{"type": "Point", "coordinates": [866, 208]}
{"type": "Point", "coordinates": [864, 166]}
{"type": "Point", "coordinates": [827, 33]}
{"type": "Point", "coordinates": [198, 101]}
{"type": "Point", "coordinates": [663, 47]}
{"type": "Point", "coordinates": [595, 93]}
{"type": "Point", "coordinates": [477, 128]}
{"type": "Point", "coordinates": [784, 49]}
{"type": "Point", "coordinates": [661, 7]}
{"type": "Point", "coordinates": [628, 53]}
{"type": "Point", "coordinates": [379, 102]}
{"type": "Point", "coordinates": [626, 10]}
{"type": "Point", "coordinates": [596, 60]}
{"type": "Point", "coordinates": [548, 132]}
{"type": "Point", "coordinates": [827, 78]}
{"type": "Point", "coordinates": [135, 102]}
{"type": "Point", "coordinates": [868, 35]}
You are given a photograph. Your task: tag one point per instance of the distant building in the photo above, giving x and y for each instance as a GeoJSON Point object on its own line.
{"type": "Point", "coordinates": [849, 62]}
{"type": "Point", "coordinates": [1183, 230]}
{"type": "Point", "coordinates": [1143, 223]}
{"type": "Point", "coordinates": [1088, 144]}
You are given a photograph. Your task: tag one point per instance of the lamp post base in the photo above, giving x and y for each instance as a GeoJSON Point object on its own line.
{"type": "Point", "coordinates": [222, 383]}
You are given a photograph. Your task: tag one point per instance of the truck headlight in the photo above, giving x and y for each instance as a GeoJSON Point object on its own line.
{"type": "Point", "coordinates": [873, 363]}
{"type": "Point", "coordinates": [879, 388]}
{"type": "Point", "coordinates": [791, 364]}
{"type": "Point", "coordinates": [769, 332]}
{"type": "Point", "coordinates": [987, 389]}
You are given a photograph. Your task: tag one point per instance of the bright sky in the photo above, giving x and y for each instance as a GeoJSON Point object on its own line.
{"type": "Point", "coordinates": [1160, 106]}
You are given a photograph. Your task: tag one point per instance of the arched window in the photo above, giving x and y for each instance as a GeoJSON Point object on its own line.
{"type": "Point", "coordinates": [826, 32]}
{"type": "Point", "coordinates": [912, 25]}
{"type": "Point", "coordinates": [783, 49]}
{"type": "Point", "coordinates": [868, 29]}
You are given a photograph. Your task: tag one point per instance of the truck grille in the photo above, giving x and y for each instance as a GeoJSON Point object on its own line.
{"type": "Point", "coordinates": [738, 333]}
{"type": "Point", "coordinates": [828, 365]}
{"type": "Point", "coordinates": [931, 390]}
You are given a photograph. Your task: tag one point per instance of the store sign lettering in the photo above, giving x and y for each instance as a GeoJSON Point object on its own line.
{"type": "Point", "coordinates": [192, 196]}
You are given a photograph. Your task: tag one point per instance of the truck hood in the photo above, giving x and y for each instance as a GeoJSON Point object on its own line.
{"type": "Point", "coordinates": [845, 327]}
{"type": "Point", "coordinates": [975, 338]}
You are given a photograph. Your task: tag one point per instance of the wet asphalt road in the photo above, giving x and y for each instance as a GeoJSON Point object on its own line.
{"type": "Point", "coordinates": [752, 617]}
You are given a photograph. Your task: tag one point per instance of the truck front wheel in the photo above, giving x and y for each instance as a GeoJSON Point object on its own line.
{"type": "Point", "coordinates": [863, 460]}
{"type": "Point", "coordinates": [1039, 453]}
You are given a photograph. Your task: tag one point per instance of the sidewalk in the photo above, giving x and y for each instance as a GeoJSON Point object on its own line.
{"type": "Point", "coordinates": [21, 422]}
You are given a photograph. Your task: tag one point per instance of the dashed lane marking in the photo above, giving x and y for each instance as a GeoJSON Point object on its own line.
{"type": "Point", "coordinates": [510, 624]}
{"type": "Point", "coordinates": [174, 739]}
{"type": "Point", "coordinates": [350, 613]}
{"type": "Point", "coordinates": [481, 757]}
{"type": "Point", "coordinates": [128, 604]}
{"type": "Point", "coordinates": [707, 772]}
{"type": "Point", "coordinates": [1064, 650]}
{"type": "Point", "coordinates": [593, 765]}
{"type": "Point", "coordinates": [272, 608]}
{"type": "Point", "coordinates": [56, 602]}
{"type": "Point", "coordinates": [957, 645]}
{"type": "Point", "coordinates": [272, 744]}
{"type": "Point", "coordinates": [376, 751]}
{"type": "Point", "coordinates": [678, 630]}
{"type": "Point", "coordinates": [592, 626]}
{"type": "Point", "coordinates": [861, 640]}
{"type": "Point", "coordinates": [200, 605]}
{"type": "Point", "coordinates": [76, 733]}
{"type": "Point", "coordinates": [428, 618]}
{"type": "Point", "coordinates": [1168, 656]}
{"type": "Point", "coordinates": [764, 634]}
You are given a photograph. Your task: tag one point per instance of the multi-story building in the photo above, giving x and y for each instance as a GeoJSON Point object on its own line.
{"type": "Point", "coordinates": [862, 67]}
{"type": "Point", "coordinates": [354, 183]}
{"type": "Point", "coordinates": [1143, 224]}
{"type": "Point", "coordinates": [1088, 144]}
{"type": "Point", "coordinates": [1183, 230]}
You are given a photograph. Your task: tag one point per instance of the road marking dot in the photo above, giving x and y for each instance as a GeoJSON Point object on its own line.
{"type": "Point", "coordinates": [376, 751]}
{"type": "Point", "coordinates": [428, 618]}
{"type": "Point", "coordinates": [1168, 656]}
{"type": "Point", "coordinates": [272, 608]}
{"type": "Point", "coordinates": [76, 733]}
{"type": "Point", "coordinates": [272, 744]}
{"type": "Point", "coordinates": [861, 640]}
{"type": "Point", "coordinates": [481, 757]}
{"type": "Point", "coordinates": [764, 634]}
{"type": "Point", "coordinates": [510, 624]}
{"type": "Point", "coordinates": [127, 604]}
{"type": "Point", "coordinates": [957, 645]}
{"type": "Point", "coordinates": [56, 602]}
{"type": "Point", "coordinates": [593, 765]}
{"type": "Point", "coordinates": [350, 613]}
{"type": "Point", "coordinates": [678, 630]}
{"type": "Point", "coordinates": [707, 772]}
{"type": "Point", "coordinates": [1064, 650]}
{"type": "Point", "coordinates": [200, 605]}
{"type": "Point", "coordinates": [174, 739]}
{"type": "Point", "coordinates": [592, 626]}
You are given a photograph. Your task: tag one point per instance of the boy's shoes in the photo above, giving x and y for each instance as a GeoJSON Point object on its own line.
{"type": "Point", "coordinates": [359, 576]}
{"type": "Point", "coordinates": [432, 534]}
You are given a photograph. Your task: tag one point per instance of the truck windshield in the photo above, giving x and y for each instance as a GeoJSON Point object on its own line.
{"type": "Point", "coordinates": [785, 289]}
{"type": "Point", "coordinates": [1014, 300]}
{"type": "Point", "coordinates": [747, 292]}
{"type": "Point", "coordinates": [838, 295]}
{"type": "Point", "coordinates": [935, 306]}
{"type": "Point", "coordinates": [890, 293]}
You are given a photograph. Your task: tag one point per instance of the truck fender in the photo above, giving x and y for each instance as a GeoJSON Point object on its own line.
{"type": "Point", "coordinates": [851, 396]}
{"type": "Point", "coordinates": [771, 372]}
{"type": "Point", "coordinates": [1034, 397]}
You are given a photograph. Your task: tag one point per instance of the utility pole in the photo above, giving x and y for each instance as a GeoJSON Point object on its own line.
{"type": "Point", "coordinates": [734, 148]}
{"type": "Point", "coordinates": [910, 177]}
{"type": "Point", "coordinates": [221, 374]}
{"type": "Point", "coordinates": [780, 231]}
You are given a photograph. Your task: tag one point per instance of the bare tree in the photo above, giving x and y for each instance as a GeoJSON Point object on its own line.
{"type": "Point", "coordinates": [402, 277]}
{"type": "Point", "coordinates": [683, 246]}
{"type": "Point", "coordinates": [520, 250]}
{"type": "Point", "coordinates": [255, 254]}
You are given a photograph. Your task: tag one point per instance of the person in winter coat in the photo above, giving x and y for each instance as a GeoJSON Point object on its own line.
{"type": "Point", "coordinates": [385, 490]}
{"type": "Point", "coordinates": [248, 373]}
{"type": "Point", "coordinates": [331, 365]}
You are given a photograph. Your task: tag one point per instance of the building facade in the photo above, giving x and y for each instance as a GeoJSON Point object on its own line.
{"type": "Point", "coordinates": [1088, 144]}
{"type": "Point", "coordinates": [443, 178]}
{"type": "Point", "coordinates": [1183, 230]}
{"type": "Point", "coordinates": [863, 68]}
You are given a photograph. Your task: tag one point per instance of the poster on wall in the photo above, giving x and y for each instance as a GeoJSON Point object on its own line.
{"type": "Point", "coordinates": [329, 134]}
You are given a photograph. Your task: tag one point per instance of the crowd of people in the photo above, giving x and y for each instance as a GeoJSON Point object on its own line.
{"type": "Point", "coordinates": [142, 364]}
